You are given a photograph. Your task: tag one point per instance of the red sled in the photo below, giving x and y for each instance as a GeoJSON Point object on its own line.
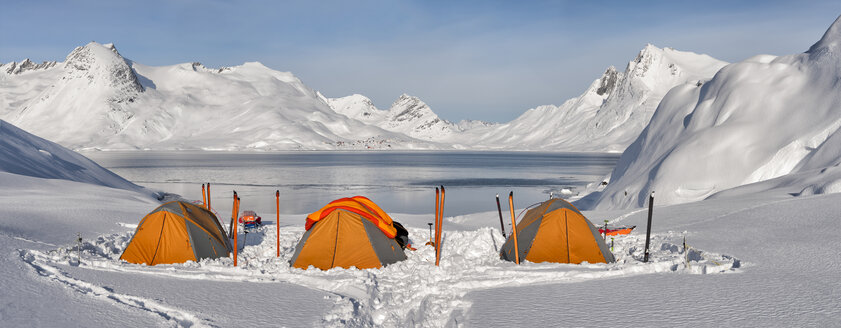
{"type": "Point", "coordinates": [613, 231]}
{"type": "Point", "coordinates": [250, 219]}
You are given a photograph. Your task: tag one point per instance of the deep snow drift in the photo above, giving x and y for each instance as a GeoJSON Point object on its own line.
{"type": "Point", "coordinates": [756, 120]}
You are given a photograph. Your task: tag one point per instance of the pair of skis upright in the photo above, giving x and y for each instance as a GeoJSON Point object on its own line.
{"type": "Point", "coordinates": [439, 220]}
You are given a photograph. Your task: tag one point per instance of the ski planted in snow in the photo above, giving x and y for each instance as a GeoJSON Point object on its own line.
{"type": "Point", "coordinates": [514, 228]}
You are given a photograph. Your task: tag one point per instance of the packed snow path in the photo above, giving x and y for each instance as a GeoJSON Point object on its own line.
{"type": "Point", "coordinates": [410, 293]}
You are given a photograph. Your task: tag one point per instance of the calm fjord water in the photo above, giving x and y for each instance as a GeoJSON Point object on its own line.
{"type": "Point", "coordinates": [400, 182]}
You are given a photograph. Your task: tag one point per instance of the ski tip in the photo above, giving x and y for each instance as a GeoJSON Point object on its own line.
{"type": "Point", "coordinates": [497, 195]}
{"type": "Point", "coordinates": [511, 194]}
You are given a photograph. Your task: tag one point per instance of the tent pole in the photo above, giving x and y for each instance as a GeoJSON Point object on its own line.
{"type": "Point", "coordinates": [514, 228]}
{"type": "Point", "coordinates": [648, 229]}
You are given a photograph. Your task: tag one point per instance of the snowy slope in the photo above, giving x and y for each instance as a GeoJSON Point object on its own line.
{"type": "Point", "coordinates": [611, 112]}
{"type": "Point", "coordinates": [408, 115]}
{"type": "Point", "coordinates": [756, 120]}
{"type": "Point", "coordinates": [97, 99]}
{"type": "Point", "coordinates": [22, 153]}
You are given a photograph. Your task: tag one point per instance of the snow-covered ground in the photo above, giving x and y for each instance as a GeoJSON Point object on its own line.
{"type": "Point", "coordinates": [754, 258]}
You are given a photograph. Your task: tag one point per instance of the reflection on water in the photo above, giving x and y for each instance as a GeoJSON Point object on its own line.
{"type": "Point", "coordinates": [401, 182]}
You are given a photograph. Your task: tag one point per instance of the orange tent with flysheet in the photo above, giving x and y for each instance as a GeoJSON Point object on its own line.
{"type": "Point", "coordinates": [348, 232]}
{"type": "Point", "coordinates": [556, 231]}
{"type": "Point", "coordinates": [177, 232]}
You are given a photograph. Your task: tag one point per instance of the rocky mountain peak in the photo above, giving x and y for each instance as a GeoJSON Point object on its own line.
{"type": "Point", "coordinates": [407, 107]}
{"type": "Point", "coordinates": [14, 68]}
{"type": "Point", "coordinates": [608, 81]}
{"type": "Point", "coordinates": [102, 64]}
{"type": "Point", "coordinates": [830, 42]}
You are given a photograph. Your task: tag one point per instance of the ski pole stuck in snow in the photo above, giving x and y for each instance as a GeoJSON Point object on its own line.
{"type": "Point", "coordinates": [648, 229]}
{"type": "Point", "coordinates": [430, 242]}
{"type": "Point", "coordinates": [277, 221]}
{"type": "Point", "coordinates": [208, 196]}
{"type": "Point", "coordinates": [79, 246]}
{"type": "Point", "coordinates": [499, 209]}
{"type": "Point", "coordinates": [605, 230]}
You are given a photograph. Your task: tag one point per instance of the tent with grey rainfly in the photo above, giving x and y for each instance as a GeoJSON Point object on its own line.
{"type": "Point", "coordinates": [177, 232]}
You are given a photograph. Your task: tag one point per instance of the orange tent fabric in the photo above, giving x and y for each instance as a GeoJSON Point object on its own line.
{"type": "Point", "coordinates": [348, 232]}
{"type": "Point", "coordinates": [556, 231]}
{"type": "Point", "coordinates": [177, 232]}
{"type": "Point", "coordinates": [360, 205]}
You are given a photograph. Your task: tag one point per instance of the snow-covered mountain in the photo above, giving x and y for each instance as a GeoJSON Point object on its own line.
{"type": "Point", "coordinates": [408, 115]}
{"type": "Point", "coordinates": [612, 111]}
{"type": "Point", "coordinates": [763, 118]}
{"type": "Point", "coordinates": [98, 99]}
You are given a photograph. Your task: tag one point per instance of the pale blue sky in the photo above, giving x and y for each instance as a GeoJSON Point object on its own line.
{"type": "Point", "coordinates": [486, 60]}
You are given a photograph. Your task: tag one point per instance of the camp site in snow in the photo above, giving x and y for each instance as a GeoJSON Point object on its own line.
{"type": "Point", "coordinates": [278, 183]}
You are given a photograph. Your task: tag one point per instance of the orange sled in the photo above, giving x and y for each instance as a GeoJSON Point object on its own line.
{"type": "Point", "coordinates": [617, 230]}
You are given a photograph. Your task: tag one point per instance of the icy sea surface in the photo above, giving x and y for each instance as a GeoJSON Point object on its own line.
{"type": "Point", "coordinates": [401, 182]}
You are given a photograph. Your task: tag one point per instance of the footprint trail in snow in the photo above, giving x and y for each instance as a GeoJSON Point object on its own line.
{"type": "Point", "coordinates": [411, 293]}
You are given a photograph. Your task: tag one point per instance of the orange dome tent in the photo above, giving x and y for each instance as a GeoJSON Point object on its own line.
{"type": "Point", "coordinates": [177, 232]}
{"type": "Point", "coordinates": [555, 231]}
{"type": "Point", "coordinates": [348, 232]}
